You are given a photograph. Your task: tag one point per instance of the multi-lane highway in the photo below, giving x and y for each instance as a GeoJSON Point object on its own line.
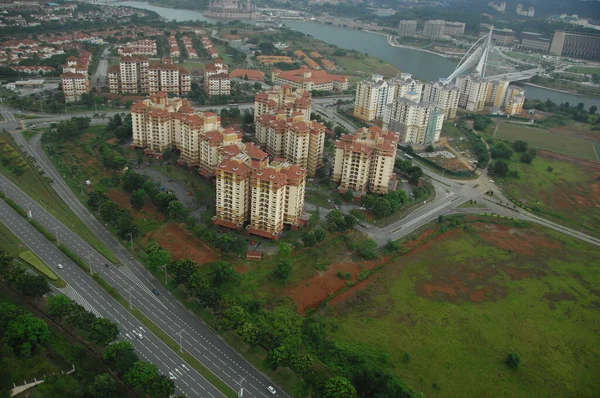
{"type": "Point", "coordinates": [131, 277]}
{"type": "Point", "coordinates": [83, 290]}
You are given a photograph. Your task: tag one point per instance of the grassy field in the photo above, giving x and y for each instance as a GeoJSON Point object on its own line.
{"type": "Point", "coordinates": [446, 315]}
{"type": "Point", "coordinates": [584, 69]}
{"type": "Point", "coordinates": [569, 194]}
{"type": "Point", "coordinates": [34, 184]}
{"type": "Point", "coordinates": [193, 65]}
{"type": "Point", "coordinates": [38, 264]}
{"type": "Point", "coordinates": [539, 138]}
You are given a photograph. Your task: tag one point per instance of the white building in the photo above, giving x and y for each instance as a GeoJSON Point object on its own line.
{"type": "Point", "coordinates": [444, 94]}
{"type": "Point", "coordinates": [417, 123]}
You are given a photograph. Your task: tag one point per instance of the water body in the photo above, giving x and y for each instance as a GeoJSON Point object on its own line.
{"type": "Point", "coordinates": [423, 65]}
{"type": "Point", "coordinates": [167, 13]}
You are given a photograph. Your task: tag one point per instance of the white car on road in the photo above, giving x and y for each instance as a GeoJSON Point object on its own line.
{"type": "Point", "coordinates": [60, 266]}
{"type": "Point", "coordinates": [271, 390]}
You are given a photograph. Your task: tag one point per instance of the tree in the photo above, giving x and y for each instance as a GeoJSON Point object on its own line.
{"type": "Point", "coordinates": [60, 386]}
{"type": "Point", "coordinates": [32, 285]}
{"type": "Point", "coordinates": [141, 375]}
{"type": "Point", "coordinates": [349, 222]}
{"type": "Point", "coordinates": [59, 306]}
{"type": "Point", "coordinates": [120, 356]}
{"type": "Point", "coordinates": [197, 284]}
{"type": "Point", "coordinates": [414, 174]}
{"type": "Point", "coordinates": [520, 146]}
{"type": "Point", "coordinates": [277, 355]}
{"type": "Point", "coordinates": [382, 207]}
{"type": "Point", "coordinates": [368, 249]}
{"type": "Point", "coordinates": [26, 332]}
{"type": "Point", "coordinates": [301, 363]}
{"type": "Point", "coordinates": [430, 148]}
{"type": "Point", "coordinates": [161, 387]}
{"type": "Point", "coordinates": [309, 239]}
{"type": "Point", "coordinates": [593, 109]}
{"type": "Point", "coordinates": [283, 270]}
{"type": "Point", "coordinates": [104, 386]}
{"type": "Point", "coordinates": [103, 332]}
{"type": "Point", "coordinates": [319, 234]}
{"type": "Point", "coordinates": [348, 195]}
{"type": "Point", "coordinates": [176, 210]}
{"type": "Point", "coordinates": [526, 158]}
{"type": "Point", "coordinates": [284, 250]}
{"type": "Point", "coordinates": [8, 313]}
{"type": "Point", "coordinates": [339, 131]}
{"type": "Point", "coordinates": [338, 387]}
{"type": "Point", "coordinates": [158, 258]}
{"type": "Point", "coordinates": [182, 269]}
{"type": "Point", "coordinates": [335, 221]}
{"type": "Point", "coordinates": [223, 272]}
{"type": "Point", "coordinates": [513, 360]}
{"type": "Point", "coordinates": [137, 199]}
{"type": "Point", "coordinates": [96, 198]}
{"type": "Point", "coordinates": [499, 168]}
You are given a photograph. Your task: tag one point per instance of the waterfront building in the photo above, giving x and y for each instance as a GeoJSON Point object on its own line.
{"type": "Point", "coordinates": [364, 161]}
{"type": "Point", "coordinates": [502, 37]}
{"type": "Point", "coordinates": [284, 129]}
{"type": "Point", "coordinates": [309, 79]}
{"type": "Point", "coordinates": [473, 92]}
{"type": "Point", "coordinates": [515, 98]}
{"type": "Point", "coordinates": [434, 29]}
{"type": "Point", "coordinates": [231, 9]}
{"type": "Point", "coordinates": [444, 95]}
{"type": "Point", "coordinates": [136, 75]}
{"type": "Point", "coordinates": [533, 42]}
{"type": "Point", "coordinates": [416, 123]}
{"type": "Point", "coordinates": [454, 28]}
{"type": "Point", "coordinates": [576, 45]}
{"type": "Point", "coordinates": [407, 28]}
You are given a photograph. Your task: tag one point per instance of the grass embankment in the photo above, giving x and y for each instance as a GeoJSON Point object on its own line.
{"type": "Point", "coordinates": [544, 139]}
{"type": "Point", "coordinates": [38, 264]}
{"type": "Point", "coordinates": [446, 315]}
{"type": "Point", "coordinates": [584, 69]}
{"type": "Point", "coordinates": [37, 187]}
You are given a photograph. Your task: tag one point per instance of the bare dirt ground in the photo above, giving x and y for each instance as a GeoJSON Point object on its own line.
{"type": "Point", "coordinates": [181, 245]}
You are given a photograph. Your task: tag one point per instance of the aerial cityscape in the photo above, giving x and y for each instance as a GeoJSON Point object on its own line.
{"type": "Point", "coordinates": [324, 198]}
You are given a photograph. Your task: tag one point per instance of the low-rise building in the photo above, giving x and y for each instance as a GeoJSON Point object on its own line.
{"type": "Point", "coordinates": [139, 47]}
{"type": "Point", "coordinates": [364, 161]}
{"type": "Point", "coordinates": [533, 42]}
{"type": "Point", "coordinates": [309, 79]}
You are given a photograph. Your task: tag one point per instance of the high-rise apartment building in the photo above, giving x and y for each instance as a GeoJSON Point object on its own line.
{"type": "Point", "coordinates": [372, 95]}
{"type": "Point", "coordinates": [444, 95]}
{"type": "Point", "coordinates": [416, 123]}
{"type": "Point", "coordinates": [434, 29]}
{"type": "Point", "coordinates": [454, 28]}
{"type": "Point", "coordinates": [75, 80]}
{"type": "Point", "coordinates": [284, 129]}
{"type": "Point", "coordinates": [497, 93]}
{"type": "Point", "coordinates": [136, 75]}
{"type": "Point", "coordinates": [515, 98]}
{"type": "Point", "coordinates": [216, 79]}
{"type": "Point", "coordinates": [364, 161]}
{"type": "Point", "coordinates": [248, 188]}
{"type": "Point", "coordinates": [407, 28]}
{"type": "Point", "coordinates": [576, 45]}
{"type": "Point", "coordinates": [473, 92]}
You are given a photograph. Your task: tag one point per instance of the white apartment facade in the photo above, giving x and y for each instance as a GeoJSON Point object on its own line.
{"type": "Point", "coordinates": [417, 123]}
{"type": "Point", "coordinates": [444, 95]}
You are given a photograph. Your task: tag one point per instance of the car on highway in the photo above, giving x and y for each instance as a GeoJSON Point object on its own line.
{"type": "Point", "coordinates": [60, 266]}
{"type": "Point", "coordinates": [172, 376]}
{"type": "Point", "coordinates": [271, 390]}
{"type": "Point", "coordinates": [156, 292]}
{"type": "Point", "coordinates": [138, 335]}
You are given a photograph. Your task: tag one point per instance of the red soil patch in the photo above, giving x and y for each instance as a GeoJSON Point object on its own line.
{"type": "Point", "coordinates": [181, 245]}
{"type": "Point", "coordinates": [309, 294]}
{"type": "Point", "coordinates": [241, 269]}
{"type": "Point", "coordinates": [426, 234]}
{"type": "Point", "coordinates": [513, 239]}
{"type": "Point", "coordinates": [121, 198]}
{"type": "Point", "coordinates": [478, 296]}
{"type": "Point", "coordinates": [430, 289]}
{"type": "Point", "coordinates": [343, 297]}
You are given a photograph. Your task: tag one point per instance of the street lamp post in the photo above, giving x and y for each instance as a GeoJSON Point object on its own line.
{"type": "Point", "coordinates": [130, 239]}
{"type": "Point", "coordinates": [180, 333]}
{"type": "Point", "coordinates": [165, 268]}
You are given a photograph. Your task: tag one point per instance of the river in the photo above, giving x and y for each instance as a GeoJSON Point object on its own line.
{"type": "Point", "coordinates": [423, 65]}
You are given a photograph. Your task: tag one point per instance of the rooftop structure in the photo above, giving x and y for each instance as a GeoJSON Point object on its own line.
{"type": "Point", "coordinates": [309, 79]}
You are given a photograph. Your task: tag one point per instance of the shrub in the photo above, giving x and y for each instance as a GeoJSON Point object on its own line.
{"type": "Point", "coordinates": [513, 360]}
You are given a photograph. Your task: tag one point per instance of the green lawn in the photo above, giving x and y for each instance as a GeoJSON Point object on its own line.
{"type": "Point", "coordinates": [541, 303]}
{"type": "Point", "coordinates": [364, 66]}
{"type": "Point", "coordinates": [38, 264]}
{"type": "Point", "coordinates": [568, 194]}
{"type": "Point", "coordinates": [584, 69]}
{"type": "Point", "coordinates": [191, 65]}
{"type": "Point", "coordinates": [38, 188]}
{"type": "Point", "coordinates": [539, 138]}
